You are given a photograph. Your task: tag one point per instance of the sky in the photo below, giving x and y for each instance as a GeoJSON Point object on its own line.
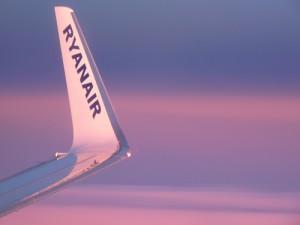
{"type": "Point", "coordinates": [106, 204]}
{"type": "Point", "coordinates": [195, 46]}
{"type": "Point", "coordinates": [207, 93]}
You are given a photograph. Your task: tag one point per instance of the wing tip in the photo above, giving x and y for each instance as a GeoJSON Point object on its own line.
{"type": "Point", "coordinates": [65, 8]}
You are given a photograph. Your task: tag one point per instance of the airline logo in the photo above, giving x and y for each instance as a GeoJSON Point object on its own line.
{"type": "Point", "coordinates": [81, 69]}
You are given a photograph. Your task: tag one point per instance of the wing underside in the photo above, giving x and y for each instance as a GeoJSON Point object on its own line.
{"type": "Point", "coordinates": [40, 181]}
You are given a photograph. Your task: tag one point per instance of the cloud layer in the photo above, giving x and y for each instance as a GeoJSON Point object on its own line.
{"type": "Point", "coordinates": [86, 204]}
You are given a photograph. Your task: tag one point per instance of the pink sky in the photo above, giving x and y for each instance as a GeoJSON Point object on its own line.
{"type": "Point", "coordinates": [85, 204]}
{"type": "Point", "coordinates": [234, 145]}
{"type": "Point", "coordinates": [177, 139]}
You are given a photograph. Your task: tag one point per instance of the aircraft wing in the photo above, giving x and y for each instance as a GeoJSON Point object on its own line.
{"type": "Point", "coordinates": [98, 140]}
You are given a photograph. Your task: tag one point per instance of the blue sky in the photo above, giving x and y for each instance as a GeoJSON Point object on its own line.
{"type": "Point", "coordinates": [196, 46]}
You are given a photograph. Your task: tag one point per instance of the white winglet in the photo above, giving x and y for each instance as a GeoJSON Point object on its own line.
{"type": "Point", "coordinates": [98, 140]}
{"type": "Point", "coordinates": [93, 117]}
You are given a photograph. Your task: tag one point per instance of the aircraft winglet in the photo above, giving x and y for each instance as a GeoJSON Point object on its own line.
{"type": "Point", "coordinates": [98, 140]}
{"type": "Point", "coordinates": [93, 117]}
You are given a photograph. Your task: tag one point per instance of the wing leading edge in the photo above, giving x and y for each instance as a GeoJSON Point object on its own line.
{"type": "Point", "coordinates": [98, 140]}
